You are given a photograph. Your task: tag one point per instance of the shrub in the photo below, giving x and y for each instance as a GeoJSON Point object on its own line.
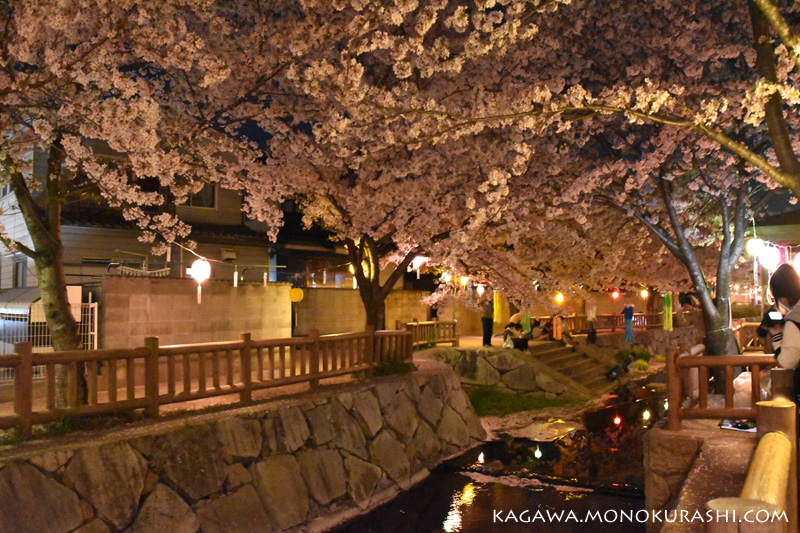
{"type": "Point", "coordinates": [489, 401]}
{"type": "Point", "coordinates": [661, 359]}
{"type": "Point", "coordinates": [638, 355]}
{"type": "Point", "coordinates": [641, 365]}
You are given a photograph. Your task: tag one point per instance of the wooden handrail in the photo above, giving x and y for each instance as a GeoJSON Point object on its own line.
{"type": "Point", "coordinates": [153, 375]}
{"type": "Point", "coordinates": [683, 361]}
{"type": "Point", "coordinates": [431, 332]}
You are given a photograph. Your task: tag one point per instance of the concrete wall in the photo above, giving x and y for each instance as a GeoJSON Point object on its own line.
{"type": "Point", "coordinates": [341, 310]}
{"type": "Point", "coordinates": [303, 464]}
{"type": "Point", "coordinates": [654, 340]}
{"type": "Point", "coordinates": [134, 308]}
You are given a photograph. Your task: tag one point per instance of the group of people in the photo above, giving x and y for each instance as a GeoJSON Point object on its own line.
{"type": "Point", "coordinates": [514, 335]}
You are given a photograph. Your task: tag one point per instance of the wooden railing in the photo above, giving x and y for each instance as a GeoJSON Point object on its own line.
{"type": "Point", "coordinates": [745, 333]}
{"type": "Point", "coordinates": [769, 498]}
{"type": "Point", "coordinates": [687, 374]}
{"type": "Point", "coordinates": [431, 332]}
{"type": "Point", "coordinates": [151, 376]}
{"type": "Point", "coordinates": [612, 322]}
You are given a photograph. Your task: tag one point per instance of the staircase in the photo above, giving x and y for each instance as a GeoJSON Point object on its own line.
{"type": "Point", "coordinates": [578, 367]}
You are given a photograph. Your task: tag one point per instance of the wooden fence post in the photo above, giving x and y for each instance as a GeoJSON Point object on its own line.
{"type": "Point", "coordinates": [314, 358]}
{"type": "Point", "coordinates": [369, 349]}
{"type": "Point", "coordinates": [455, 333]}
{"type": "Point", "coordinates": [245, 368]}
{"type": "Point", "coordinates": [151, 376]}
{"type": "Point", "coordinates": [782, 384]}
{"type": "Point", "coordinates": [673, 390]}
{"type": "Point", "coordinates": [23, 387]}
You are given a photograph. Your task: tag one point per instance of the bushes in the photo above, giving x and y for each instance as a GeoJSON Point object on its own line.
{"type": "Point", "coordinates": [638, 355]}
{"type": "Point", "coordinates": [641, 365]}
{"type": "Point", "coordinates": [489, 401]}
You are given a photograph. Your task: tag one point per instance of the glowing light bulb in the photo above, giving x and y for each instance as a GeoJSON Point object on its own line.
{"type": "Point", "coordinates": [559, 297]}
{"type": "Point", "coordinates": [769, 257]}
{"type": "Point", "coordinates": [480, 290]}
{"type": "Point", "coordinates": [646, 415]}
{"type": "Point", "coordinates": [754, 247]}
{"type": "Point", "coordinates": [615, 295]}
{"type": "Point", "coordinates": [464, 281]}
{"type": "Point", "coordinates": [617, 420]}
{"type": "Point", "coordinates": [446, 277]}
{"type": "Point", "coordinates": [736, 287]}
{"type": "Point", "coordinates": [480, 458]}
{"type": "Point", "coordinates": [537, 453]}
{"type": "Point", "coordinates": [644, 293]}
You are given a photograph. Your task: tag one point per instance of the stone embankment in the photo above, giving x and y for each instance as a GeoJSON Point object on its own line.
{"type": "Point", "coordinates": [304, 463]}
{"type": "Point", "coordinates": [508, 369]}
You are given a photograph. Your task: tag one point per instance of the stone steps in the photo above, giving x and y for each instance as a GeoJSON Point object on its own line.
{"type": "Point", "coordinates": [545, 347]}
{"type": "Point", "coordinates": [575, 365]}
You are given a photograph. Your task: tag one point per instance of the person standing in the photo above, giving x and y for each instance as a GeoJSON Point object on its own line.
{"type": "Point", "coordinates": [785, 288]}
{"type": "Point", "coordinates": [627, 314]}
{"type": "Point", "coordinates": [487, 318]}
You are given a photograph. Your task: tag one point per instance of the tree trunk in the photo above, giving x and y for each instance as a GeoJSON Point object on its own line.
{"type": "Point", "coordinates": [63, 328]}
{"type": "Point", "coordinates": [375, 308]}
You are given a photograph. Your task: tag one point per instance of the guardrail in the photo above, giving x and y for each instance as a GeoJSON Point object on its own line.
{"type": "Point", "coordinates": [153, 375]}
{"type": "Point", "coordinates": [612, 322]}
{"type": "Point", "coordinates": [687, 375]}
{"type": "Point", "coordinates": [745, 332]}
{"type": "Point", "coordinates": [431, 332]}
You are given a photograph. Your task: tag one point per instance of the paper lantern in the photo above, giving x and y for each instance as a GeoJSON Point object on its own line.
{"type": "Point", "coordinates": [296, 295]}
{"type": "Point", "coordinates": [769, 257]}
{"type": "Point", "coordinates": [754, 247]}
{"type": "Point", "coordinates": [615, 295]}
{"type": "Point", "coordinates": [559, 297]}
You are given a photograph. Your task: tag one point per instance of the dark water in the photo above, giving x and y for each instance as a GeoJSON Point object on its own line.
{"type": "Point", "coordinates": [595, 474]}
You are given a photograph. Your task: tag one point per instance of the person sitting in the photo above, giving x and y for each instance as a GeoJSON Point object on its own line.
{"type": "Point", "coordinates": [514, 333]}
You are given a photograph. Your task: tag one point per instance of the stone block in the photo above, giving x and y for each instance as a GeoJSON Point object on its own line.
{"type": "Point", "coordinates": [191, 460]}
{"type": "Point", "coordinates": [504, 361]}
{"type": "Point", "coordinates": [164, 510]}
{"type": "Point", "coordinates": [362, 480]}
{"type": "Point", "coordinates": [452, 428]}
{"type": "Point", "coordinates": [548, 384]}
{"type": "Point", "coordinates": [319, 422]}
{"type": "Point", "coordinates": [94, 526]}
{"type": "Point", "coordinates": [111, 478]}
{"type": "Point", "coordinates": [52, 461]}
{"type": "Point", "coordinates": [323, 473]}
{"type": "Point", "coordinates": [294, 429]}
{"type": "Point", "coordinates": [281, 489]}
{"type": "Point", "coordinates": [240, 512]}
{"type": "Point", "coordinates": [429, 405]}
{"type": "Point", "coordinates": [239, 438]}
{"type": "Point", "coordinates": [401, 416]}
{"type": "Point", "coordinates": [389, 454]}
{"type": "Point", "coordinates": [237, 476]}
{"type": "Point", "coordinates": [668, 454]}
{"type": "Point", "coordinates": [427, 446]}
{"type": "Point", "coordinates": [348, 435]}
{"type": "Point", "coordinates": [474, 370]}
{"type": "Point", "coordinates": [367, 412]}
{"type": "Point", "coordinates": [521, 379]}
{"type": "Point", "coordinates": [32, 502]}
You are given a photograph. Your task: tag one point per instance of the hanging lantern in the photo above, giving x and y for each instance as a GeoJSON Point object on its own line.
{"type": "Point", "coordinates": [480, 290]}
{"type": "Point", "coordinates": [754, 247]}
{"type": "Point", "coordinates": [464, 281]}
{"type": "Point", "coordinates": [446, 277]}
{"type": "Point", "coordinates": [296, 295]}
{"type": "Point", "coordinates": [615, 295]}
{"type": "Point", "coordinates": [769, 257]}
{"type": "Point", "coordinates": [644, 294]}
{"type": "Point", "coordinates": [559, 298]}
{"type": "Point", "coordinates": [200, 271]}
{"type": "Point", "coordinates": [417, 263]}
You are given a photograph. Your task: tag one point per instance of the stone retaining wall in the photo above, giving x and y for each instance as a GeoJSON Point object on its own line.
{"type": "Point", "coordinates": [656, 340]}
{"type": "Point", "coordinates": [307, 463]}
{"type": "Point", "coordinates": [504, 369]}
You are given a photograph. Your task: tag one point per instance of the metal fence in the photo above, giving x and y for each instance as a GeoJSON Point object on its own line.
{"type": "Point", "coordinates": [32, 327]}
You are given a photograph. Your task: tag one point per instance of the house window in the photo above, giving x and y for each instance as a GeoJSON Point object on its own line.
{"type": "Point", "coordinates": [205, 197]}
{"type": "Point", "coordinates": [20, 272]}
{"type": "Point", "coordinates": [6, 190]}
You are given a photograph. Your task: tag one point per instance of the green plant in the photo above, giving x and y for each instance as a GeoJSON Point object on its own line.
{"type": "Point", "coordinates": [391, 367]}
{"type": "Point", "coordinates": [641, 365]}
{"type": "Point", "coordinates": [661, 359]}
{"type": "Point", "coordinates": [638, 354]}
{"type": "Point", "coordinates": [489, 401]}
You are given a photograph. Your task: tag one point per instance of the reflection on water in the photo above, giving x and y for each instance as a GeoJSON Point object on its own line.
{"type": "Point", "coordinates": [534, 486]}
